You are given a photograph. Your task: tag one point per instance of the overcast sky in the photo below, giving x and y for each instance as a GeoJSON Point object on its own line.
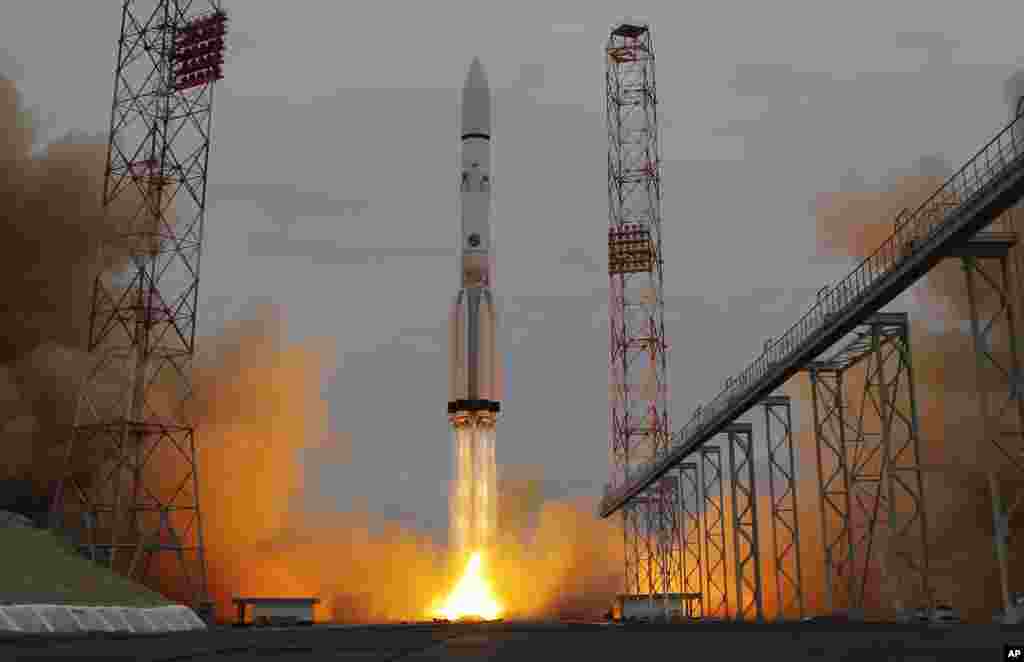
{"type": "Point", "coordinates": [333, 187]}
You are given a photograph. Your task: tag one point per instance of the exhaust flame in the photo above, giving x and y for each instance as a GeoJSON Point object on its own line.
{"type": "Point", "coordinates": [474, 516]}
{"type": "Point", "coordinates": [473, 500]}
{"type": "Point", "coordinates": [472, 596]}
{"type": "Point", "coordinates": [263, 431]}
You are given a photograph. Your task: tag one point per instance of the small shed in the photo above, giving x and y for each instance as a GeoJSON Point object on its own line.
{"type": "Point", "coordinates": [277, 611]}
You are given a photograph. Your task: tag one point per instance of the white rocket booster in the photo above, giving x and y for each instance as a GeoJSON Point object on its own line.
{"type": "Point", "coordinates": [473, 400]}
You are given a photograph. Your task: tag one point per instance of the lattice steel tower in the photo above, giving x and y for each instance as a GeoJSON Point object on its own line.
{"type": "Point", "coordinates": [130, 491]}
{"type": "Point", "coordinates": [638, 403]}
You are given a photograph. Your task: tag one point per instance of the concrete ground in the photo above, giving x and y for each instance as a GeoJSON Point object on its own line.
{"type": "Point", "coordinates": [536, 642]}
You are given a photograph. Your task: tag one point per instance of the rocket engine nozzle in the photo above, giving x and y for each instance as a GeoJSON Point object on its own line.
{"type": "Point", "coordinates": [474, 405]}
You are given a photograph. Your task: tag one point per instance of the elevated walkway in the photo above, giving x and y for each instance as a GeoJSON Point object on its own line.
{"type": "Point", "coordinates": [987, 185]}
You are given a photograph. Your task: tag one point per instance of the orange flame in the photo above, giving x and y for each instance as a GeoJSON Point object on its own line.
{"type": "Point", "coordinates": [472, 596]}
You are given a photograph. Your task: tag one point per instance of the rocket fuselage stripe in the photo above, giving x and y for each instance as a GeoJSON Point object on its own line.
{"type": "Point", "coordinates": [484, 136]}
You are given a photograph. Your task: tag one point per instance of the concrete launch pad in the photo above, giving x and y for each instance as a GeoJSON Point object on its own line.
{"type": "Point", "coordinates": [525, 641]}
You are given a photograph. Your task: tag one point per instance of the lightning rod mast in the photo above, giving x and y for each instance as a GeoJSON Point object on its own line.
{"type": "Point", "coordinates": [129, 493]}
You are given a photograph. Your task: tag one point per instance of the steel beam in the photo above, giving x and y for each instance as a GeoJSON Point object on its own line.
{"type": "Point", "coordinates": [716, 596]}
{"type": "Point", "coordinates": [747, 557]}
{"type": "Point", "coordinates": [1002, 412]}
{"type": "Point", "coordinates": [833, 482]}
{"type": "Point", "coordinates": [691, 504]}
{"type": "Point", "coordinates": [642, 575]}
{"type": "Point", "coordinates": [669, 538]}
{"type": "Point", "coordinates": [869, 469]}
{"type": "Point", "coordinates": [632, 540]}
{"type": "Point", "coordinates": [778, 430]}
{"type": "Point", "coordinates": [652, 561]}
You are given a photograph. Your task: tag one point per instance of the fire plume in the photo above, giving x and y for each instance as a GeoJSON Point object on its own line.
{"type": "Point", "coordinates": [472, 596]}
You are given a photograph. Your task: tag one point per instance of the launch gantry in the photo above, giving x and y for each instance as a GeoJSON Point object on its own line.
{"type": "Point", "coordinates": [639, 426]}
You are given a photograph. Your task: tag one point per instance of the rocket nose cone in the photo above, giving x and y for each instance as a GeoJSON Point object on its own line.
{"type": "Point", "coordinates": [476, 79]}
{"type": "Point", "coordinates": [476, 101]}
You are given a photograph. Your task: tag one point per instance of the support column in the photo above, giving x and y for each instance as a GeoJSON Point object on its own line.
{"type": "Point", "coordinates": [649, 541]}
{"type": "Point", "coordinates": [632, 541]}
{"type": "Point", "coordinates": [778, 423]}
{"type": "Point", "coordinates": [833, 483]}
{"type": "Point", "coordinates": [744, 522]}
{"type": "Point", "coordinates": [647, 507]}
{"type": "Point", "coordinates": [906, 567]}
{"type": "Point", "coordinates": [670, 551]}
{"type": "Point", "coordinates": [691, 504]}
{"type": "Point", "coordinates": [1001, 409]}
{"type": "Point", "coordinates": [716, 596]}
{"type": "Point", "coordinates": [642, 518]}
{"type": "Point", "coordinates": [869, 443]}
{"type": "Point", "coordinates": [868, 455]}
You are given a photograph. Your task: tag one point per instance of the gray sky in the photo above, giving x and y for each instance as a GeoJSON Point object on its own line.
{"type": "Point", "coordinates": [333, 187]}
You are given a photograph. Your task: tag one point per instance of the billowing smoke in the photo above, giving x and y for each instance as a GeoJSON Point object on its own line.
{"type": "Point", "coordinates": [50, 243]}
{"type": "Point", "coordinates": [260, 413]}
{"type": "Point", "coordinates": [555, 558]}
{"type": "Point", "coordinates": [260, 418]}
{"type": "Point", "coordinates": [956, 458]}
{"type": "Point", "coordinates": [1013, 89]}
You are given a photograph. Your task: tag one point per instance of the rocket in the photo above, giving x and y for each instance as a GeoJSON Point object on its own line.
{"type": "Point", "coordinates": [473, 401]}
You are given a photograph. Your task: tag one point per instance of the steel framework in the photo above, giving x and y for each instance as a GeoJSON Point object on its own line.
{"type": "Point", "coordinates": [988, 184]}
{"type": "Point", "coordinates": [691, 505]}
{"type": "Point", "coordinates": [747, 552]}
{"type": "Point", "coordinates": [868, 460]}
{"type": "Point", "coordinates": [130, 490]}
{"type": "Point", "coordinates": [639, 427]}
{"type": "Point", "coordinates": [1002, 410]}
{"type": "Point", "coordinates": [670, 532]}
{"type": "Point", "coordinates": [833, 482]}
{"type": "Point", "coordinates": [715, 595]}
{"type": "Point", "coordinates": [778, 433]}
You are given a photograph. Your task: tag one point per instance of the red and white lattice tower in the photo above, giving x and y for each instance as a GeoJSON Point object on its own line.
{"type": "Point", "coordinates": [638, 404]}
{"type": "Point", "coordinates": [129, 496]}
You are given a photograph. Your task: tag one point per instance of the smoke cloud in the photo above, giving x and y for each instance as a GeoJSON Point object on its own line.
{"type": "Point", "coordinates": [50, 243]}
{"type": "Point", "coordinates": [964, 571]}
{"type": "Point", "coordinates": [1013, 90]}
{"type": "Point", "coordinates": [260, 419]}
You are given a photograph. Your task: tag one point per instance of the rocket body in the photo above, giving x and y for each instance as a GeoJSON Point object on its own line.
{"type": "Point", "coordinates": [473, 400]}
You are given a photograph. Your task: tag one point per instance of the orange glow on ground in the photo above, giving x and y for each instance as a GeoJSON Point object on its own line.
{"type": "Point", "coordinates": [472, 596]}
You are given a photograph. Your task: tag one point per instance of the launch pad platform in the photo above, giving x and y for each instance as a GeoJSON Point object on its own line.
{"type": "Point", "coordinates": [548, 640]}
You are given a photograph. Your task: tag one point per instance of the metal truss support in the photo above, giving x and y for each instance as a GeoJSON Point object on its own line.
{"type": "Point", "coordinates": [670, 536]}
{"type": "Point", "coordinates": [778, 428]}
{"type": "Point", "coordinates": [691, 504]}
{"type": "Point", "coordinates": [833, 483]}
{"type": "Point", "coordinates": [869, 468]}
{"type": "Point", "coordinates": [1002, 409]}
{"type": "Point", "coordinates": [653, 542]}
{"type": "Point", "coordinates": [129, 492]}
{"type": "Point", "coordinates": [744, 522]}
{"type": "Point", "coordinates": [637, 550]}
{"type": "Point", "coordinates": [716, 597]}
